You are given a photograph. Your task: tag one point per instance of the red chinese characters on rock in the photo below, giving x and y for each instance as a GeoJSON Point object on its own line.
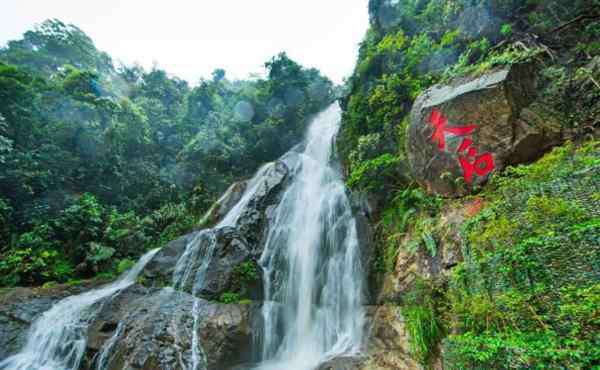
{"type": "Point", "coordinates": [468, 156]}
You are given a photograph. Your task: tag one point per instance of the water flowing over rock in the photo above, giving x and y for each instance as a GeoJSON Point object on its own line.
{"type": "Point", "coordinates": [462, 132]}
{"type": "Point", "coordinates": [57, 339]}
{"type": "Point", "coordinates": [387, 344]}
{"type": "Point", "coordinates": [227, 201]}
{"type": "Point", "coordinates": [236, 238]}
{"type": "Point", "coordinates": [293, 219]}
{"type": "Point", "coordinates": [313, 273]}
{"type": "Point", "coordinates": [20, 307]}
{"type": "Point", "coordinates": [156, 329]}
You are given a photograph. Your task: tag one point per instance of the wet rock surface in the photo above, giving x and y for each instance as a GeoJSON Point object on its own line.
{"type": "Point", "coordinates": [236, 244]}
{"type": "Point", "coordinates": [224, 204]}
{"type": "Point", "coordinates": [363, 210]}
{"type": "Point", "coordinates": [461, 133]}
{"type": "Point", "coordinates": [19, 307]}
{"type": "Point", "coordinates": [342, 363]}
{"type": "Point", "coordinates": [157, 331]}
{"type": "Point", "coordinates": [232, 249]}
{"type": "Point", "coordinates": [388, 342]}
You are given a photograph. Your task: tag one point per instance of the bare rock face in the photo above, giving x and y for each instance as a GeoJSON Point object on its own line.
{"type": "Point", "coordinates": [236, 244]}
{"type": "Point", "coordinates": [421, 265]}
{"type": "Point", "coordinates": [461, 133]}
{"type": "Point", "coordinates": [220, 208]}
{"type": "Point", "coordinates": [387, 344]}
{"type": "Point", "coordinates": [154, 329]}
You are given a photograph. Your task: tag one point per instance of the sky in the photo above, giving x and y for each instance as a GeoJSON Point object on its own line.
{"type": "Point", "coordinates": [190, 38]}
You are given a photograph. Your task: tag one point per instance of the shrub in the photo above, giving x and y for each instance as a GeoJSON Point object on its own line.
{"type": "Point", "coordinates": [229, 297]}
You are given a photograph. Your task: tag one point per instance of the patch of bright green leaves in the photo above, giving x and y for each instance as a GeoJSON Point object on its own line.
{"type": "Point", "coordinates": [410, 211]}
{"type": "Point", "coordinates": [423, 321]}
{"type": "Point", "coordinates": [527, 294]}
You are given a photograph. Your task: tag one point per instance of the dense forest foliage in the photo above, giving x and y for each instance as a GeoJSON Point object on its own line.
{"type": "Point", "coordinates": [99, 162]}
{"type": "Point", "coordinates": [526, 294]}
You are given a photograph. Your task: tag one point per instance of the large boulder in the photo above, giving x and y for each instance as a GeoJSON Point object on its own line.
{"type": "Point", "coordinates": [230, 250]}
{"type": "Point", "coordinates": [241, 220]}
{"type": "Point", "coordinates": [151, 329]}
{"type": "Point", "coordinates": [460, 133]}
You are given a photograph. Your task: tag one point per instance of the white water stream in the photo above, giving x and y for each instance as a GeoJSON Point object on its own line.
{"type": "Point", "coordinates": [313, 275]}
{"type": "Point", "coordinates": [57, 339]}
{"type": "Point", "coordinates": [201, 250]}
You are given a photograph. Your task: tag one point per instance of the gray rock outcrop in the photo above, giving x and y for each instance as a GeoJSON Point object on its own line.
{"type": "Point", "coordinates": [462, 132]}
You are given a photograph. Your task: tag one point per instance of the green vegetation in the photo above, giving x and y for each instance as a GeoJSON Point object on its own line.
{"type": "Point", "coordinates": [229, 297]}
{"type": "Point", "coordinates": [99, 163]}
{"type": "Point", "coordinates": [246, 272]}
{"type": "Point", "coordinates": [527, 292]}
{"type": "Point", "coordinates": [244, 278]}
{"type": "Point", "coordinates": [423, 321]}
{"type": "Point", "coordinates": [410, 210]}
{"type": "Point", "coordinates": [414, 44]}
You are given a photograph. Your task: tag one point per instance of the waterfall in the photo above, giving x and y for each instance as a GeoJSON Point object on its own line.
{"type": "Point", "coordinates": [57, 339]}
{"type": "Point", "coordinates": [202, 246]}
{"type": "Point", "coordinates": [313, 278]}
{"type": "Point", "coordinates": [202, 249]}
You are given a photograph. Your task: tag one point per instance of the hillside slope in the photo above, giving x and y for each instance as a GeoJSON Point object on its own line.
{"type": "Point", "coordinates": [499, 268]}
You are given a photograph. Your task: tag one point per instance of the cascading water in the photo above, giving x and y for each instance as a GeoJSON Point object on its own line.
{"type": "Point", "coordinates": [202, 246]}
{"type": "Point", "coordinates": [202, 249]}
{"type": "Point", "coordinates": [313, 275]}
{"type": "Point", "coordinates": [104, 353]}
{"type": "Point", "coordinates": [313, 278]}
{"type": "Point", "coordinates": [57, 339]}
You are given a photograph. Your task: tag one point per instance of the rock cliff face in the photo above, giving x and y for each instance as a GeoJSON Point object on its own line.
{"type": "Point", "coordinates": [462, 132]}
{"type": "Point", "coordinates": [154, 329]}
{"type": "Point", "coordinates": [240, 241]}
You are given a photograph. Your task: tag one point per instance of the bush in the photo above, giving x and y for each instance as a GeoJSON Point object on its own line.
{"type": "Point", "coordinates": [423, 323]}
{"type": "Point", "coordinates": [229, 297]}
{"type": "Point", "coordinates": [526, 294]}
